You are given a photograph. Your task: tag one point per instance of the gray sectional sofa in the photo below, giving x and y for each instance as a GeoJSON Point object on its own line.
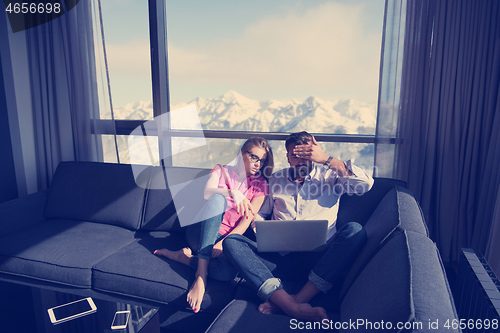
{"type": "Point", "coordinates": [93, 233]}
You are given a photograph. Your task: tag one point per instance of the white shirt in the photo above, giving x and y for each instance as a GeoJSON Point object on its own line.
{"type": "Point", "coordinates": [318, 197]}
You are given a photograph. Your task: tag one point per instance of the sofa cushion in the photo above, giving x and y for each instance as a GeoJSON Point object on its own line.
{"type": "Point", "coordinates": [398, 211]}
{"type": "Point", "coordinates": [182, 198]}
{"type": "Point", "coordinates": [22, 212]}
{"type": "Point", "coordinates": [96, 192]}
{"type": "Point", "coordinates": [135, 271]}
{"type": "Point", "coordinates": [61, 251]}
{"type": "Point", "coordinates": [403, 283]}
{"type": "Point", "coordinates": [349, 206]}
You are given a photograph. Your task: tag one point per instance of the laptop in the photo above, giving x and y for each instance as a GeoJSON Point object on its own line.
{"type": "Point", "coordinates": [290, 235]}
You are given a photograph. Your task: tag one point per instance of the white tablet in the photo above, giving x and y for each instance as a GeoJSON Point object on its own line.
{"type": "Point", "coordinates": [72, 310]}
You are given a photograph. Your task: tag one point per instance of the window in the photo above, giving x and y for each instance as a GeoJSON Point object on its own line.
{"type": "Point", "coordinates": [126, 29]}
{"type": "Point", "coordinates": [281, 66]}
{"type": "Point", "coordinates": [256, 68]}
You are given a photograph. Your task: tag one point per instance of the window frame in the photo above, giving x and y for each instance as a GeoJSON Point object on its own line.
{"type": "Point", "coordinates": [161, 102]}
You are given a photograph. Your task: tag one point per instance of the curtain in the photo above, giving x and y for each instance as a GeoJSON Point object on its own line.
{"type": "Point", "coordinates": [104, 123]}
{"type": "Point", "coordinates": [390, 83]}
{"type": "Point", "coordinates": [447, 146]}
{"type": "Point", "coordinates": [65, 100]}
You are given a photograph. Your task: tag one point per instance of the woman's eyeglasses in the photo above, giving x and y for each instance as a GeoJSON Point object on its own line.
{"type": "Point", "coordinates": [255, 158]}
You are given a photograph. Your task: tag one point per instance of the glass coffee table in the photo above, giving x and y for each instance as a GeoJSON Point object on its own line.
{"type": "Point", "coordinates": [25, 309]}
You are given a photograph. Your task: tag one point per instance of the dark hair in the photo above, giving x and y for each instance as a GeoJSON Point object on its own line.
{"type": "Point", "coordinates": [299, 138]}
{"type": "Point", "coordinates": [266, 170]}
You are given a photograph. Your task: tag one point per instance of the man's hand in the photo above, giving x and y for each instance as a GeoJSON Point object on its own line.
{"type": "Point", "coordinates": [311, 151]}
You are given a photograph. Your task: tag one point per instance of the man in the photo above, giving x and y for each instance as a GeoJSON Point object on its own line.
{"type": "Point", "coordinates": [304, 191]}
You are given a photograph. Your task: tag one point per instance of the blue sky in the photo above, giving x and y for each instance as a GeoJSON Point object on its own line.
{"type": "Point", "coordinates": [276, 49]}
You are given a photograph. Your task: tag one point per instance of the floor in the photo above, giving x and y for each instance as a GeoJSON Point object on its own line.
{"type": "Point", "coordinates": [16, 313]}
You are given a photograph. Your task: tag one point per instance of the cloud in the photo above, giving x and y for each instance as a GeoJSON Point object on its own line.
{"type": "Point", "coordinates": [129, 59]}
{"type": "Point", "coordinates": [326, 46]}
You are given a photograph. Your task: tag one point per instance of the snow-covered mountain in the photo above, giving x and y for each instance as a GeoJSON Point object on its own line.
{"type": "Point", "coordinates": [233, 111]}
{"type": "Point", "coordinates": [139, 110]}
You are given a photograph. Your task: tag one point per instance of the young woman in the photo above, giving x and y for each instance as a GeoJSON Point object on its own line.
{"type": "Point", "coordinates": [235, 194]}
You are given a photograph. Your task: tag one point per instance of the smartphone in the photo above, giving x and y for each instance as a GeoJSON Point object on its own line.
{"type": "Point", "coordinates": [72, 310]}
{"type": "Point", "coordinates": [120, 321]}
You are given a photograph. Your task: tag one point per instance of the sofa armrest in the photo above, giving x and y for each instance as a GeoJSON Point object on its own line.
{"type": "Point", "coordinates": [349, 209]}
{"type": "Point", "coordinates": [22, 212]}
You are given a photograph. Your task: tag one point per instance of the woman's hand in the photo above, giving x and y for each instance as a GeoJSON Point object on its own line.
{"type": "Point", "coordinates": [243, 205]}
{"type": "Point", "coordinates": [217, 250]}
{"type": "Point", "coordinates": [238, 196]}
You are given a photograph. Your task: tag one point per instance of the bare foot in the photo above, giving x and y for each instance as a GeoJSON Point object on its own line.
{"type": "Point", "coordinates": [183, 255]}
{"type": "Point", "coordinates": [305, 311]}
{"type": "Point", "coordinates": [291, 307]}
{"type": "Point", "coordinates": [269, 308]}
{"type": "Point", "coordinates": [195, 294]}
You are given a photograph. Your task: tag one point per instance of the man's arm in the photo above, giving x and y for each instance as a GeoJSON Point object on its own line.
{"type": "Point", "coordinates": [353, 178]}
{"type": "Point", "coordinates": [358, 183]}
{"type": "Point", "coordinates": [339, 167]}
{"type": "Point", "coordinates": [265, 210]}
{"type": "Point", "coordinates": [313, 151]}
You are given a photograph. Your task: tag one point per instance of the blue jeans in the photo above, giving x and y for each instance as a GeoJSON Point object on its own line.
{"type": "Point", "coordinates": [263, 270]}
{"type": "Point", "coordinates": [202, 236]}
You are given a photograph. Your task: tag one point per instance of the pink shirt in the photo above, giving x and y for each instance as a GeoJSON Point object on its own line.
{"type": "Point", "coordinates": [251, 187]}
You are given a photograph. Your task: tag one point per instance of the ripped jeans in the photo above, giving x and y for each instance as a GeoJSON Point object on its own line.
{"type": "Point", "coordinates": [202, 236]}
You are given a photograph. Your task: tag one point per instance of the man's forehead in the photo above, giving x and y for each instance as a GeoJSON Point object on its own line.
{"type": "Point", "coordinates": [293, 145]}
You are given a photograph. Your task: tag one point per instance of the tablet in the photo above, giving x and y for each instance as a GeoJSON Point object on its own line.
{"type": "Point", "coordinates": [72, 310]}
